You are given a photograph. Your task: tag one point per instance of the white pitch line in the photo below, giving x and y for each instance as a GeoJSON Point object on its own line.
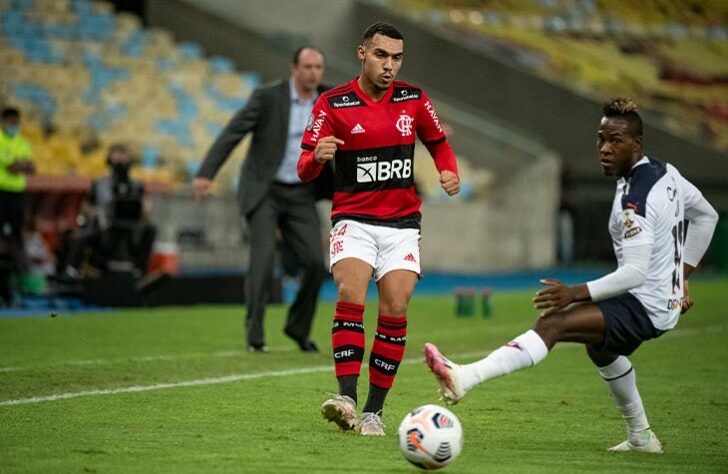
{"type": "Point", "coordinates": [281, 373]}
{"type": "Point", "coordinates": [160, 386]}
{"type": "Point", "coordinates": [151, 358]}
{"type": "Point", "coordinates": [193, 383]}
{"type": "Point", "coordinates": [235, 353]}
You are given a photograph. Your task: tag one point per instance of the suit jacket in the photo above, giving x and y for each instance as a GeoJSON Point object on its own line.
{"type": "Point", "coordinates": [265, 115]}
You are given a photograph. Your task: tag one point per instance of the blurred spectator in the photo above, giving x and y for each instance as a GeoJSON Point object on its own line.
{"type": "Point", "coordinates": [15, 165]}
{"type": "Point", "coordinates": [114, 233]}
{"type": "Point", "coordinates": [41, 261]}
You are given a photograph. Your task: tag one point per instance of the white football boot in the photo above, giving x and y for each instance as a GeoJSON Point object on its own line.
{"type": "Point", "coordinates": [651, 445]}
{"type": "Point", "coordinates": [341, 410]}
{"type": "Point", "coordinates": [371, 424]}
{"type": "Point", "coordinates": [446, 372]}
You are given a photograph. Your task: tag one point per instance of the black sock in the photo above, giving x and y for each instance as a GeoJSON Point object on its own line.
{"type": "Point", "coordinates": [375, 399]}
{"type": "Point", "coordinates": [347, 386]}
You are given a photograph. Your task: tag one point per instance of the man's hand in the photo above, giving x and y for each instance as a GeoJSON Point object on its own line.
{"type": "Point", "coordinates": [450, 182]}
{"type": "Point", "coordinates": [201, 188]}
{"type": "Point", "coordinates": [558, 296]}
{"type": "Point", "coordinates": [326, 149]}
{"type": "Point", "coordinates": [687, 301]}
{"type": "Point", "coordinates": [25, 167]}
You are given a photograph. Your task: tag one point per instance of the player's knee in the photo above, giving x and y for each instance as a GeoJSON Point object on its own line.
{"type": "Point", "coordinates": [550, 329]}
{"type": "Point", "coordinates": [394, 307]}
{"type": "Point", "coordinates": [347, 292]}
{"type": "Point", "coordinates": [600, 357]}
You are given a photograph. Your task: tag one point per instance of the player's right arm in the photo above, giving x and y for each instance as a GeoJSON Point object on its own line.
{"type": "Point", "coordinates": [637, 246]}
{"type": "Point", "coordinates": [244, 121]}
{"type": "Point", "coordinates": [631, 274]}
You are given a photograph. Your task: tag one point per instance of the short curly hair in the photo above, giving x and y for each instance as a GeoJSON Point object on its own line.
{"type": "Point", "coordinates": [627, 109]}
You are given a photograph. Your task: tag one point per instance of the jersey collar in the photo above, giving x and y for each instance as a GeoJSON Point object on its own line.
{"type": "Point", "coordinates": [643, 161]}
{"type": "Point", "coordinates": [365, 98]}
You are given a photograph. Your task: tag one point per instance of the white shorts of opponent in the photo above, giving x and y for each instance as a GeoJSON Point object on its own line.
{"type": "Point", "coordinates": [383, 248]}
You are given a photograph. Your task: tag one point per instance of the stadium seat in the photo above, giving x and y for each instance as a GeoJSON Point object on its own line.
{"type": "Point", "coordinates": [88, 73]}
{"type": "Point", "coordinates": [673, 57]}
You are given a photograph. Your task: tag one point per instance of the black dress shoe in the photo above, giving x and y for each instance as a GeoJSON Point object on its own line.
{"type": "Point", "coordinates": [258, 348]}
{"type": "Point", "coordinates": [308, 346]}
{"type": "Point", "coordinates": [305, 344]}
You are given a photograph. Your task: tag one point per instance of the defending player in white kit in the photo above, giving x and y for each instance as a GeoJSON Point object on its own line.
{"type": "Point", "coordinates": [640, 300]}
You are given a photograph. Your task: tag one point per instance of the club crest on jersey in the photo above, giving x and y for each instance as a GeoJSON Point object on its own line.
{"type": "Point", "coordinates": [628, 221]}
{"type": "Point", "coordinates": [404, 125]}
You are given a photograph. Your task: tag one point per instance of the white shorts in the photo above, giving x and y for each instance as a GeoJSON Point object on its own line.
{"type": "Point", "coordinates": [384, 248]}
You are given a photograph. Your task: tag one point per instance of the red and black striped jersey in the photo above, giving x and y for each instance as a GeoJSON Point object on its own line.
{"type": "Point", "coordinates": [373, 169]}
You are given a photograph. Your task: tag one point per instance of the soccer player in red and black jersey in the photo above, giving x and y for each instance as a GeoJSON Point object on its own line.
{"type": "Point", "coordinates": [368, 127]}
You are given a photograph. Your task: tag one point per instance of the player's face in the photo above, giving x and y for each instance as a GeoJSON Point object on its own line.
{"type": "Point", "coordinates": [309, 71]}
{"type": "Point", "coordinates": [618, 149]}
{"type": "Point", "coordinates": [381, 58]}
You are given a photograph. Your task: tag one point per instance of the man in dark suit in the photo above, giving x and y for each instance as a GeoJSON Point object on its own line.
{"type": "Point", "coordinates": [272, 196]}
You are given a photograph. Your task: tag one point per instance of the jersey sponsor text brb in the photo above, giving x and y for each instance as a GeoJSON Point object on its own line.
{"type": "Point", "coordinates": [368, 172]}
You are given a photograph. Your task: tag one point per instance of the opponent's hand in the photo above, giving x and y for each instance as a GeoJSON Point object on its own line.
{"type": "Point", "coordinates": [326, 149]}
{"type": "Point", "coordinates": [554, 298]}
{"type": "Point", "coordinates": [450, 182]}
{"type": "Point", "coordinates": [687, 301]}
{"type": "Point", "coordinates": [201, 187]}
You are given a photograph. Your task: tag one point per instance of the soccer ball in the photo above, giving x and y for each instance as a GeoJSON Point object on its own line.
{"type": "Point", "coordinates": [430, 437]}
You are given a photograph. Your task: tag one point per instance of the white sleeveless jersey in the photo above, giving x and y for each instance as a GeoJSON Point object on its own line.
{"type": "Point", "coordinates": [649, 207]}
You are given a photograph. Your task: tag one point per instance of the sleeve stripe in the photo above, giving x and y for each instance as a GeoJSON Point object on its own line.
{"type": "Point", "coordinates": [435, 142]}
{"type": "Point", "coordinates": [308, 147]}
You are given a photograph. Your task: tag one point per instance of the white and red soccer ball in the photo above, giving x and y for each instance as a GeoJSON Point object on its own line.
{"type": "Point", "coordinates": [430, 437]}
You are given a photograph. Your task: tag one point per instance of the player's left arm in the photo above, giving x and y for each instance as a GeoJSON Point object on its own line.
{"type": "Point", "coordinates": [703, 219]}
{"type": "Point", "coordinates": [637, 246]}
{"type": "Point", "coordinates": [430, 133]}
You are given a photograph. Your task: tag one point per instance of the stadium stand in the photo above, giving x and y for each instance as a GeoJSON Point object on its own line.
{"type": "Point", "coordinates": [86, 77]}
{"type": "Point", "coordinates": [670, 54]}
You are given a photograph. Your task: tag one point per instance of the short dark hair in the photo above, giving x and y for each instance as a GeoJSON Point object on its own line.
{"type": "Point", "coordinates": [10, 112]}
{"type": "Point", "coordinates": [297, 53]}
{"type": "Point", "coordinates": [625, 108]}
{"type": "Point", "coordinates": [384, 29]}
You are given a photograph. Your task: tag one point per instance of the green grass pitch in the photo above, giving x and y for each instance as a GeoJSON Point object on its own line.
{"type": "Point", "coordinates": [171, 390]}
